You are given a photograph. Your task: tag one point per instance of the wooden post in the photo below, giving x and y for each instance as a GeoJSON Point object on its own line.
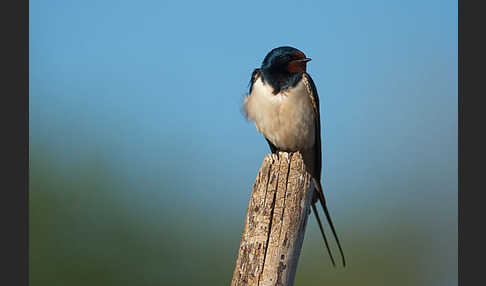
{"type": "Point", "coordinates": [275, 223]}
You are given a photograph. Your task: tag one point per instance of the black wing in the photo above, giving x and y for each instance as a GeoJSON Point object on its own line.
{"type": "Point", "coordinates": [312, 90]}
{"type": "Point", "coordinates": [254, 76]}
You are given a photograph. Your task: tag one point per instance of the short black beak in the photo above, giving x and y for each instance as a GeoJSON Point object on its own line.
{"type": "Point", "coordinates": [305, 60]}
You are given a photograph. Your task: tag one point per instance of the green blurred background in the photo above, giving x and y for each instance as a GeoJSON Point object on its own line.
{"type": "Point", "coordinates": [141, 163]}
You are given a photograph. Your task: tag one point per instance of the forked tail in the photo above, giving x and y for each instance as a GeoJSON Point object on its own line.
{"type": "Point", "coordinates": [321, 198]}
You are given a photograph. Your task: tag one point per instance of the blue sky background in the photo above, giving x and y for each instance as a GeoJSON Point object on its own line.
{"type": "Point", "coordinates": [153, 90]}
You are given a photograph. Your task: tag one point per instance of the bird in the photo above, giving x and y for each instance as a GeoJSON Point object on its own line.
{"type": "Point", "coordinates": [284, 105]}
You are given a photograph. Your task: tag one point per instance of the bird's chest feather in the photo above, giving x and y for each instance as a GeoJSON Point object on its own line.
{"type": "Point", "coordinates": [286, 119]}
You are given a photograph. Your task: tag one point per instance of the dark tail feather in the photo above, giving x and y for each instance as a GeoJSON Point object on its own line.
{"type": "Point", "coordinates": [273, 148]}
{"type": "Point", "coordinates": [328, 216]}
{"type": "Point", "coordinates": [323, 235]}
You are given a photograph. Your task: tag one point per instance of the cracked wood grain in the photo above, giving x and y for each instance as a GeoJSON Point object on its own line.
{"type": "Point", "coordinates": [275, 223]}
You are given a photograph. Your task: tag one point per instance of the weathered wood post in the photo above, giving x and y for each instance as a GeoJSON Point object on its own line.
{"type": "Point", "coordinates": [275, 223]}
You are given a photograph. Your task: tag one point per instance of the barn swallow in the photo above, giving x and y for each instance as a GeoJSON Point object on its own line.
{"type": "Point", "coordinates": [284, 105]}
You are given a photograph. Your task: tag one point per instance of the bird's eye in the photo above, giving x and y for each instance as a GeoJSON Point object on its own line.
{"type": "Point", "coordinates": [285, 59]}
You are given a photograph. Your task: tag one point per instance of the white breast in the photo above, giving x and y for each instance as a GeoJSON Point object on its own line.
{"type": "Point", "coordinates": [286, 119]}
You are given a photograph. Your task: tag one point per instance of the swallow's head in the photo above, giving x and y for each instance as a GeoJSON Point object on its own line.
{"type": "Point", "coordinates": [285, 60]}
